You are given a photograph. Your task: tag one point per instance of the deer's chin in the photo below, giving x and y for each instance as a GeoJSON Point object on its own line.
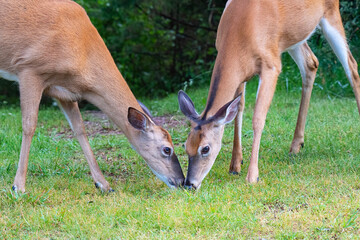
{"type": "Point", "coordinates": [163, 178]}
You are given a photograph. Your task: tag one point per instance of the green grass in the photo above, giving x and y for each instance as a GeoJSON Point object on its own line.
{"type": "Point", "coordinates": [314, 195]}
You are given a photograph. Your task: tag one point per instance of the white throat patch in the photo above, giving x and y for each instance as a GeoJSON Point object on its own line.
{"type": "Point", "coordinates": [227, 4]}
{"type": "Point", "coordinates": [8, 76]}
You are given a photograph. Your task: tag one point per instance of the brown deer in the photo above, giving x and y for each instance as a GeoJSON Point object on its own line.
{"type": "Point", "coordinates": [50, 47]}
{"type": "Point", "coordinates": [251, 37]}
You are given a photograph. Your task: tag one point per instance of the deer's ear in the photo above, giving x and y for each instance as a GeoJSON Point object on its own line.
{"type": "Point", "coordinates": [187, 106]}
{"type": "Point", "coordinates": [139, 120]}
{"type": "Point", "coordinates": [228, 112]}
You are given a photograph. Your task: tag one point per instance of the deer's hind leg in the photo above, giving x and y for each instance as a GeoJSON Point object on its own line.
{"type": "Point", "coordinates": [332, 27]}
{"type": "Point", "coordinates": [308, 65]}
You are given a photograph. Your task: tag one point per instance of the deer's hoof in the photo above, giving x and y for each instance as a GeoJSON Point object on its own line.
{"type": "Point", "coordinates": [252, 180]}
{"type": "Point", "coordinates": [103, 188]}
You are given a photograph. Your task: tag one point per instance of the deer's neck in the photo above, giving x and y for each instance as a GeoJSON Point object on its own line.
{"type": "Point", "coordinates": [227, 75]}
{"type": "Point", "coordinates": [113, 96]}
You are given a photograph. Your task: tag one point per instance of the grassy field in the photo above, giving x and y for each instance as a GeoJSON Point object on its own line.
{"type": "Point", "coordinates": [314, 195]}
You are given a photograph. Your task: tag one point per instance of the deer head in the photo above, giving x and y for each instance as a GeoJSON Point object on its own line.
{"type": "Point", "coordinates": [204, 140]}
{"type": "Point", "coordinates": [154, 144]}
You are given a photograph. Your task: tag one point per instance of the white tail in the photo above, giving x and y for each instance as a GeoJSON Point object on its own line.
{"type": "Point", "coordinates": [251, 37]}
{"type": "Point", "coordinates": [51, 47]}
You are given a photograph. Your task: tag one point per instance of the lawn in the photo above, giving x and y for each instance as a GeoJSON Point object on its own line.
{"type": "Point", "coordinates": [314, 195]}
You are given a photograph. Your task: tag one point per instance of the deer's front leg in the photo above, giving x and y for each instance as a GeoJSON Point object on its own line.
{"type": "Point", "coordinates": [267, 85]}
{"type": "Point", "coordinates": [73, 115]}
{"type": "Point", "coordinates": [31, 90]}
{"type": "Point", "coordinates": [237, 156]}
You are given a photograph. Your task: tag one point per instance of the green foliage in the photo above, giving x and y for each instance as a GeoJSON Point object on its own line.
{"type": "Point", "coordinates": [159, 46]}
{"type": "Point", "coordinates": [162, 46]}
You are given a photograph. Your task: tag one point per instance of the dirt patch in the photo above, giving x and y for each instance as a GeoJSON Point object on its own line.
{"type": "Point", "coordinates": [277, 207]}
{"type": "Point", "coordinates": [97, 123]}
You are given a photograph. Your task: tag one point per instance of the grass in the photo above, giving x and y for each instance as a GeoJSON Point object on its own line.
{"type": "Point", "coordinates": [314, 195]}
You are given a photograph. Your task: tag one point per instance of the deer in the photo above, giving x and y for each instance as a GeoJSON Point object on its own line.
{"type": "Point", "coordinates": [50, 47]}
{"type": "Point", "coordinates": [250, 39]}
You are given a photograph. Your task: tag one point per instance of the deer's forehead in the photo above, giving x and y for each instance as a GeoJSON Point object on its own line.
{"type": "Point", "coordinates": [163, 135]}
{"type": "Point", "coordinates": [166, 135]}
{"type": "Point", "coordinates": [195, 139]}
{"type": "Point", "coordinates": [158, 135]}
{"type": "Point", "coordinates": [192, 143]}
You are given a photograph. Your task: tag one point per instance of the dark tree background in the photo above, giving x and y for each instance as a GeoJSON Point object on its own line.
{"type": "Point", "coordinates": [161, 46]}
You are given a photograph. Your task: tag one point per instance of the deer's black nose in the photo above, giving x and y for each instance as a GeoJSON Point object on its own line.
{"type": "Point", "coordinates": [189, 186]}
{"type": "Point", "coordinates": [176, 182]}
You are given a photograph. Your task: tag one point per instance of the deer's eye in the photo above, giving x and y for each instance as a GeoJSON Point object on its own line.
{"type": "Point", "coordinates": [205, 150]}
{"type": "Point", "coordinates": [166, 151]}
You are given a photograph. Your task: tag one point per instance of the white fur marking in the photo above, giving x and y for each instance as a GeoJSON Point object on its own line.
{"type": "Point", "coordinates": [298, 57]}
{"type": "Point", "coordinates": [257, 93]}
{"type": "Point", "coordinates": [8, 76]}
{"type": "Point", "coordinates": [66, 116]}
{"type": "Point", "coordinates": [239, 120]}
{"type": "Point", "coordinates": [227, 4]}
{"type": "Point", "coordinates": [338, 44]}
